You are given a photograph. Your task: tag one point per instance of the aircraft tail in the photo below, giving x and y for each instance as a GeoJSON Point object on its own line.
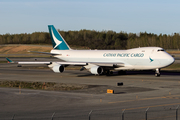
{"type": "Point", "coordinates": [9, 61]}
{"type": "Point", "coordinates": [57, 40]}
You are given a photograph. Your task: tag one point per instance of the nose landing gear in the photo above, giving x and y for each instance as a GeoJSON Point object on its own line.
{"type": "Point", "coordinates": [157, 74]}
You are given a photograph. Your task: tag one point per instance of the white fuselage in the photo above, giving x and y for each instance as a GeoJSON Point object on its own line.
{"type": "Point", "coordinates": [144, 58]}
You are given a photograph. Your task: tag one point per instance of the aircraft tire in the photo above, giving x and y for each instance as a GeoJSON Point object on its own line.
{"type": "Point", "coordinates": [121, 72]}
{"type": "Point", "coordinates": [157, 75]}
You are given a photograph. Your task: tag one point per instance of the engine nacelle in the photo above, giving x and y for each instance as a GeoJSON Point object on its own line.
{"type": "Point", "coordinates": [58, 68]}
{"type": "Point", "coordinates": [96, 70]}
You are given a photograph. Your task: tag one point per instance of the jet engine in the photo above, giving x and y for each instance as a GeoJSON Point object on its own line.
{"type": "Point", "coordinates": [96, 70]}
{"type": "Point", "coordinates": [58, 68]}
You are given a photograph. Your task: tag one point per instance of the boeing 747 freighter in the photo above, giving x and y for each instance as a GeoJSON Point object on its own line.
{"type": "Point", "coordinates": [104, 61]}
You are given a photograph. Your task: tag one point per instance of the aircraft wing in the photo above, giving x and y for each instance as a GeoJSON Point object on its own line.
{"type": "Point", "coordinates": [44, 53]}
{"type": "Point", "coordinates": [107, 64]}
{"type": "Point", "coordinates": [47, 63]}
{"type": "Point", "coordinates": [102, 64]}
{"type": "Point", "coordinates": [77, 63]}
{"type": "Point", "coordinates": [58, 67]}
{"type": "Point", "coordinates": [60, 63]}
{"type": "Point", "coordinates": [35, 62]}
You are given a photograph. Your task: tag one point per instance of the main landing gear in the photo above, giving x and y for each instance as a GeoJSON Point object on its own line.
{"type": "Point", "coordinates": [121, 72]}
{"type": "Point", "coordinates": [108, 72]}
{"type": "Point", "coordinates": [157, 74]}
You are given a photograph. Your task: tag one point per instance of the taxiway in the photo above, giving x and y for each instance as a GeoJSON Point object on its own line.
{"type": "Point", "coordinates": [141, 90]}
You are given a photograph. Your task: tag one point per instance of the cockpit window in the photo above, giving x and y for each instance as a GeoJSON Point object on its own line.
{"type": "Point", "coordinates": [160, 50]}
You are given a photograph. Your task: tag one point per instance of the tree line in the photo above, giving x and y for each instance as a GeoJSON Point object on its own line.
{"type": "Point", "coordinates": [92, 39]}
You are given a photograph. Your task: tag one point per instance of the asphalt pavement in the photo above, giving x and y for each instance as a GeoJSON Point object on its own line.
{"type": "Point", "coordinates": [141, 91]}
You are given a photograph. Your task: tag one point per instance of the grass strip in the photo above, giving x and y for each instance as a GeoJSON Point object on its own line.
{"type": "Point", "coordinates": [42, 86]}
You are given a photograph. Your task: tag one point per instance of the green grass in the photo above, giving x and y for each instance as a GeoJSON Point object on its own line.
{"type": "Point", "coordinates": [41, 85]}
{"type": "Point", "coordinates": [172, 67]}
{"type": "Point", "coordinates": [3, 61]}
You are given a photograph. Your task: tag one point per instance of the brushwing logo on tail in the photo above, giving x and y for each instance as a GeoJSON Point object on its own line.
{"type": "Point", "coordinates": [58, 42]}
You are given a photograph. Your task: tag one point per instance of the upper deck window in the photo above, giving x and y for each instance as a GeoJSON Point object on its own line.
{"type": "Point", "coordinates": [160, 50]}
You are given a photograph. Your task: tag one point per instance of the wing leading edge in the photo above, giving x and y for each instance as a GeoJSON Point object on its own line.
{"type": "Point", "coordinates": [60, 66]}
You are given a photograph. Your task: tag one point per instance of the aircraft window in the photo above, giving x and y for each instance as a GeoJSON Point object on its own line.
{"type": "Point", "coordinates": [161, 50]}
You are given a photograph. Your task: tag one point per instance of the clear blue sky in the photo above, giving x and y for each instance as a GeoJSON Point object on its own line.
{"type": "Point", "coordinates": [152, 16]}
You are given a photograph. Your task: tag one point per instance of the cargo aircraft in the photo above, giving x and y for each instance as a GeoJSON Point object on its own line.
{"type": "Point", "coordinates": [104, 61]}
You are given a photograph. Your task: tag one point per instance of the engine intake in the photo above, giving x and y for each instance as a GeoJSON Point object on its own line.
{"type": "Point", "coordinates": [96, 70]}
{"type": "Point", "coordinates": [58, 69]}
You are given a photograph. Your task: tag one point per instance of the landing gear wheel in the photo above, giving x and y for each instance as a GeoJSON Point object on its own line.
{"type": "Point", "coordinates": [157, 74]}
{"type": "Point", "coordinates": [107, 72]}
{"type": "Point", "coordinates": [111, 72]}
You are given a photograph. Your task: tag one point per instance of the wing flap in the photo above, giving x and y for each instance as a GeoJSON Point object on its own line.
{"type": "Point", "coordinates": [34, 63]}
{"type": "Point", "coordinates": [106, 64]}
{"type": "Point", "coordinates": [60, 63]}
{"type": "Point", "coordinates": [73, 63]}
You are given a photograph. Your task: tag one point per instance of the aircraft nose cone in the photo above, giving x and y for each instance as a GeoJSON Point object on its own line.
{"type": "Point", "coordinates": [171, 60]}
